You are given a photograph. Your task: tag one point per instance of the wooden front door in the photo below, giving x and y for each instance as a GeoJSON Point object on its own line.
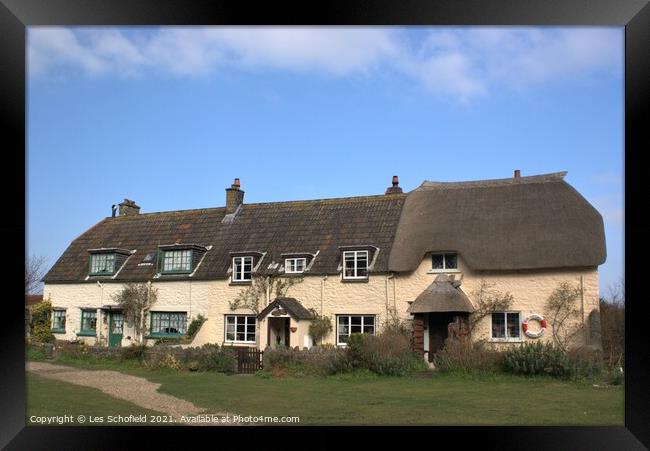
{"type": "Point", "coordinates": [115, 329]}
{"type": "Point", "coordinates": [438, 323]}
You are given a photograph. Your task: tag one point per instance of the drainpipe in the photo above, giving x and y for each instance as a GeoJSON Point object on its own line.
{"type": "Point", "coordinates": [190, 312]}
{"type": "Point", "coordinates": [582, 304]}
{"type": "Point", "coordinates": [101, 302]}
{"type": "Point", "coordinates": [388, 277]}
{"type": "Point", "coordinates": [322, 291]}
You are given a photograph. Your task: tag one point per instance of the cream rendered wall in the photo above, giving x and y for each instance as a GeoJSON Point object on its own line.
{"type": "Point", "coordinates": [187, 296]}
{"type": "Point", "coordinates": [330, 296]}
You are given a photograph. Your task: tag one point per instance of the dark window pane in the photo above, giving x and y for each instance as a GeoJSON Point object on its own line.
{"type": "Point", "coordinates": [498, 325]}
{"type": "Point", "coordinates": [368, 320]}
{"type": "Point", "coordinates": [356, 320]}
{"type": "Point", "coordinates": [437, 261]}
{"type": "Point", "coordinates": [451, 261]}
{"type": "Point", "coordinates": [513, 325]}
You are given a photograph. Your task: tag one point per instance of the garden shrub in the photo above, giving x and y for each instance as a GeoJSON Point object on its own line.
{"type": "Point", "coordinates": [159, 360]}
{"type": "Point", "coordinates": [388, 353]}
{"type": "Point", "coordinates": [40, 326]}
{"type": "Point", "coordinates": [317, 361]}
{"type": "Point", "coordinates": [461, 357]}
{"type": "Point", "coordinates": [195, 325]}
{"type": "Point", "coordinates": [168, 341]}
{"type": "Point", "coordinates": [531, 359]}
{"type": "Point", "coordinates": [213, 358]}
{"type": "Point", "coordinates": [585, 362]}
{"type": "Point", "coordinates": [133, 352]}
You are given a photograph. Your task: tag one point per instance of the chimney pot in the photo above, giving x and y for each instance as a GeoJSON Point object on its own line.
{"type": "Point", "coordinates": [395, 189]}
{"type": "Point", "coordinates": [235, 184]}
{"type": "Point", "coordinates": [517, 173]}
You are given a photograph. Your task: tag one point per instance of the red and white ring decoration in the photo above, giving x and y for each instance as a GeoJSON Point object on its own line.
{"type": "Point", "coordinates": [542, 324]}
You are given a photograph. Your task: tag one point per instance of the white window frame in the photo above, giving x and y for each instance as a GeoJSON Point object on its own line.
{"type": "Point", "coordinates": [349, 317]}
{"type": "Point", "coordinates": [247, 319]}
{"type": "Point", "coordinates": [444, 262]}
{"type": "Point", "coordinates": [241, 273]}
{"type": "Point", "coordinates": [506, 337]}
{"type": "Point", "coordinates": [356, 265]}
{"type": "Point", "coordinates": [295, 261]}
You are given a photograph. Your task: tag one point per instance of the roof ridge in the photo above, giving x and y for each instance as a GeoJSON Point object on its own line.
{"type": "Point", "coordinates": [257, 204]}
{"type": "Point", "coordinates": [540, 178]}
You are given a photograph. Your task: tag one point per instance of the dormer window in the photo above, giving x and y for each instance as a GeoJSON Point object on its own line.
{"type": "Point", "coordinates": [102, 264]}
{"type": "Point", "coordinates": [295, 265]}
{"type": "Point", "coordinates": [442, 262]}
{"type": "Point", "coordinates": [179, 258]}
{"type": "Point", "coordinates": [177, 261]}
{"type": "Point", "coordinates": [355, 265]}
{"type": "Point", "coordinates": [242, 268]}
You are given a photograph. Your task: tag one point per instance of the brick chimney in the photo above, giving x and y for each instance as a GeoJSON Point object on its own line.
{"type": "Point", "coordinates": [395, 189]}
{"type": "Point", "coordinates": [128, 208]}
{"type": "Point", "coordinates": [517, 173]}
{"type": "Point", "coordinates": [234, 197]}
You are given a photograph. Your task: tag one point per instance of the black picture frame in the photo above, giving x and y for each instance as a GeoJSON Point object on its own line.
{"type": "Point", "coordinates": [634, 15]}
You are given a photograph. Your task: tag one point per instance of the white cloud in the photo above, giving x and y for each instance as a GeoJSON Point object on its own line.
{"type": "Point", "coordinates": [461, 62]}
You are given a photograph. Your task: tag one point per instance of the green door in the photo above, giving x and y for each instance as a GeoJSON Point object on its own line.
{"type": "Point", "coordinates": [115, 328]}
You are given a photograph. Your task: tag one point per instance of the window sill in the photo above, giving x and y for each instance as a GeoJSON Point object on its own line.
{"type": "Point", "coordinates": [240, 282]}
{"type": "Point", "coordinates": [364, 280]}
{"type": "Point", "coordinates": [58, 331]}
{"type": "Point", "coordinates": [175, 273]}
{"type": "Point", "coordinates": [505, 340]}
{"type": "Point", "coordinates": [86, 334]}
{"type": "Point", "coordinates": [239, 343]}
{"type": "Point", "coordinates": [443, 271]}
{"type": "Point", "coordinates": [155, 336]}
{"type": "Point", "coordinates": [102, 274]}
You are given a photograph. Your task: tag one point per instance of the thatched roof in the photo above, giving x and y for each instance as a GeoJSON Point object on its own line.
{"type": "Point", "coordinates": [272, 230]}
{"type": "Point", "coordinates": [506, 224]}
{"type": "Point", "coordinates": [293, 307]}
{"type": "Point", "coordinates": [441, 296]}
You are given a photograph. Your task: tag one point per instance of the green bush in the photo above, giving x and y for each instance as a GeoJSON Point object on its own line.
{"type": "Point", "coordinates": [35, 353]}
{"type": "Point", "coordinates": [386, 354]}
{"type": "Point", "coordinates": [459, 357]}
{"type": "Point", "coordinates": [168, 341]}
{"type": "Point", "coordinates": [133, 352]}
{"type": "Point", "coordinates": [586, 363]}
{"type": "Point", "coordinates": [213, 358]}
{"type": "Point", "coordinates": [162, 361]}
{"type": "Point", "coordinates": [317, 361]}
{"type": "Point", "coordinates": [40, 326]}
{"type": "Point", "coordinates": [195, 325]}
{"type": "Point", "coordinates": [42, 333]}
{"type": "Point", "coordinates": [531, 359]}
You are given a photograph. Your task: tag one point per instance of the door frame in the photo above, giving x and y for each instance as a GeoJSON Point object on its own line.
{"type": "Point", "coordinates": [286, 329]}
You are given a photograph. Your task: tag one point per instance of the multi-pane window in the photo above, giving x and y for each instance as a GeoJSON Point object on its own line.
{"type": "Point", "coordinates": [294, 265]}
{"type": "Point", "coordinates": [240, 328]}
{"type": "Point", "coordinates": [168, 323]}
{"type": "Point", "coordinates": [347, 325]}
{"type": "Point", "coordinates": [355, 264]}
{"type": "Point", "coordinates": [242, 268]}
{"type": "Point", "coordinates": [442, 262]}
{"type": "Point", "coordinates": [177, 261]}
{"type": "Point", "coordinates": [58, 320]}
{"type": "Point", "coordinates": [102, 264]}
{"type": "Point", "coordinates": [506, 326]}
{"type": "Point", "coordinates": [88, 322]}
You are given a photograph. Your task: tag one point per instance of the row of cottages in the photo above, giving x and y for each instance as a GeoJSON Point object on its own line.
{"type": "Point", "coordinates": [420, 256]}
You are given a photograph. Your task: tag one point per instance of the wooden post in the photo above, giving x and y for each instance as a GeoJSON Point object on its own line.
{"type": "Point", "coordinates": [418, 334]}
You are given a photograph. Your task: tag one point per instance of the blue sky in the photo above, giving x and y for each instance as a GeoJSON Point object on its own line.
{"type": "Point", "coordinates": [169, 116]}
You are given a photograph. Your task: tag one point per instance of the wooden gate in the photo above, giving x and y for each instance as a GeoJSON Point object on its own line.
{"type": "Point", "coordinates": [249, 360]}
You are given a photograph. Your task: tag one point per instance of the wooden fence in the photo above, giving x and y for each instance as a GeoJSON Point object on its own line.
{"type": "Point", "coordinates": [249, 360]}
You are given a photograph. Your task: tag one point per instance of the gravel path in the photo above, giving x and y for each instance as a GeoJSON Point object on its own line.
{"type": "Point", "coordinates": [135, 389]}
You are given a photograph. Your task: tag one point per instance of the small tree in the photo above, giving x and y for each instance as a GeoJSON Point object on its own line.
{"type": "Point", "coordinates": [34, 272]}
{"type": "Point", "coordinates": [562, 311]}
{"type": "Point", "coordinates": [136, 300]}
{"type": "Point", "coordinates": [487, 301]}
{"type": "Point", "coordinates": [261, 290]}
{"type": "Point", "coordinates": [40, 325]}
{"type": "Point", "coordinates": [320, 326]}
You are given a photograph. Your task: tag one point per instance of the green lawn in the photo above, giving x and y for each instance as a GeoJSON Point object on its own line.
{"type": "Point", "coordinates": [348, 400]}
{"type": "Point", "coordinates": [440, 400]}
{"type": "Point", "coordinates": [50, 398]}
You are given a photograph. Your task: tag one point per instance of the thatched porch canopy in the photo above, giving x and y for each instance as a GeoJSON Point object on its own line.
{"type": "Point", "coordinates": [441, 296]}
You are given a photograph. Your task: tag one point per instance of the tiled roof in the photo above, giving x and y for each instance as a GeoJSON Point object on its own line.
{"type": "Point", "coordinates": [313, 226]}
